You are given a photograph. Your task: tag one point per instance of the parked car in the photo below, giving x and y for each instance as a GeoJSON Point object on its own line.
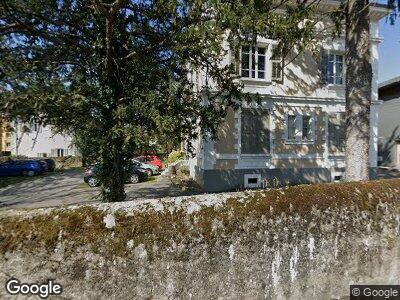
{"type": "Point", "coordinates": [48, 164]}
{"type": "Point", "coordinates": [150, 169]}
{"type": "Point", "coordinates": [21, 167]}
{"type": "Point", "coordinates": [135, 175]}
{"type": "Point", "coordinates": [150, 159]}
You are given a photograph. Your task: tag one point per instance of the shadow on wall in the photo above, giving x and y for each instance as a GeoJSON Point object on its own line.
{"type": "Point", "coordinates": [306, 82]}
{"type": "Point", "coordinates": [386, 148]}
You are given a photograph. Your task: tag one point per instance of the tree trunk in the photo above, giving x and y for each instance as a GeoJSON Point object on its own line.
{"type": "Point", "coordinates": [358, 90]}
{"type": "Point", "coordinates": [114, 173]}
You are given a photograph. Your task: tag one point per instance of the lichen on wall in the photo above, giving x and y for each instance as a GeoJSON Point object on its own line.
{"type": "Point", "coordinates": [308, 241]}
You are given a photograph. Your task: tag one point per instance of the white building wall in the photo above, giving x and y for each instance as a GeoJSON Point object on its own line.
{"type": "Point", "coordinates": [43, 142]}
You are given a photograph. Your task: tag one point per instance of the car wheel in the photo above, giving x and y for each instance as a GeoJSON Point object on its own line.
{"type": "Point", "coordinates": [149, 172]}
{"type": "Point", "coordinates": [30, 173]}
{"type": "Point", "coordinates": [134, 178]}
{"type": "Point", "coordinates": [92, 182]}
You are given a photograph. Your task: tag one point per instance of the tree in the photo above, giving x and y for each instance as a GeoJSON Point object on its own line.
{"type": "Point", "coordinates": [116, 74]}
{"type": "Point", "coordinates": [358, 89]}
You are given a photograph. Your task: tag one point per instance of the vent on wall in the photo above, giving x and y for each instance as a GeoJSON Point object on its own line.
{"type": "Point", "coordinates": [337, 176]}
{"type": "Point", "coordinates": [252, 180]}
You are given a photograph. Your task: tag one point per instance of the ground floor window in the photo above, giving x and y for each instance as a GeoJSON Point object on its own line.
{"type": "Point", "coordinates": [255, 135]}
{"type": "Point", "coordinates": [59, 152]}
{"type": "Point", "coordinates": [300, 128]}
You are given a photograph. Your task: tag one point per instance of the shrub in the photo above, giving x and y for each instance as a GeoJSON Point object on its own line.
{"type": "Point", "coordinates": [174, 156]}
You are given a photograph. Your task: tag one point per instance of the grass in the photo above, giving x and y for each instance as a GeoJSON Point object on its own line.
{"type": "Point", "coordinates": [150, 179]}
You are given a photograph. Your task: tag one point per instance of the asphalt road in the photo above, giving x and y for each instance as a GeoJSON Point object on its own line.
{"type": "Point", "coordinates": [66, 188]}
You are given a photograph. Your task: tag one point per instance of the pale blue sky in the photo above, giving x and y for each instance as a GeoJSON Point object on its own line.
{"type": "Point", "coordinates": [389, 50]}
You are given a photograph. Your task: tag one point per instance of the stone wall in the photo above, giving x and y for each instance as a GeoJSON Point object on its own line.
{"type": "Point", "coordinates": [303, 242]}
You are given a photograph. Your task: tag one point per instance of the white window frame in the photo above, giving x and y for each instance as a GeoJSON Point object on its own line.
{"type": "Point", "coordinates": [250, 77]}
{"type": "Point", "coordinates": [335, 76]}
{"type": "Point", "coordinates": [299, 128]}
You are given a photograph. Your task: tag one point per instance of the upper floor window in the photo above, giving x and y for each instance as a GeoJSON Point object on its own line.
{"type": "Point", "coordinates": [253, 62]}
{"type": "Point", "coordinates": [35, 126]}
{"type": "Point", "coordinates": [332, 68]}
{"type": "Point", "coordinates": [300, 128]}
{"type": "Point", "coordinates": [276, 66]}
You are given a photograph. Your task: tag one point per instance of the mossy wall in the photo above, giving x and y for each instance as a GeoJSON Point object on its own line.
{"type": "Point", "coordinates": [304, 242]}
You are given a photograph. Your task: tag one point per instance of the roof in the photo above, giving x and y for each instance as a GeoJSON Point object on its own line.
{"type": "Point", "coordinates": [390, 82]}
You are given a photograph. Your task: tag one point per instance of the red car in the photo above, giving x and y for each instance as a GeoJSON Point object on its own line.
{"type": "Point", "coordinates": [150, 159]}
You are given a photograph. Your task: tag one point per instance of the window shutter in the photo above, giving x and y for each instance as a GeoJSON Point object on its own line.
{"type": "Point", "coordinates": [324, 132]}
{"type": "Point", "coordinates": [323, 66]}
{"type": "Point", "coordinates": [286, 135]}
{"type": "Point", "coordinates": [234, 61]}
{"type": "Point", "coordinates": [313, 126]}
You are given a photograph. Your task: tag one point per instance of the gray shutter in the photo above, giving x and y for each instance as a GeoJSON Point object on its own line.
{"type": "Point", "coordinates": [324, 126]}
{"type": "Point", "coordinates": [234, 61]}
{"type": "Point", "coordinates": [323, 68]}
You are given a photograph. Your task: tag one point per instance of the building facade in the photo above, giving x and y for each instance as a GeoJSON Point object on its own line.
{"type": "Point", "coordinates": [389, 123]}
{"type": "Point", "coordinates": [296, 133]}
{"type": "Point", "coordinates": [35, 140]}
{"type": "Point", "coordinates": [5, 138]}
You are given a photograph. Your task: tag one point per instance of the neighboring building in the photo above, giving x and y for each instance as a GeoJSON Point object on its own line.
{"type": "Point", "coordinates": [35, 140]}
{"type": "Point", "coordinates": [389, 123]}
{"type": "Point", "coordinates": [296, 134]}
{"type": "Point", "coordinates": [5, 139]}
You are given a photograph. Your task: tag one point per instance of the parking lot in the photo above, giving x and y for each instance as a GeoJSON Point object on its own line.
{"type": "Point", "coordinates": [65, 188]}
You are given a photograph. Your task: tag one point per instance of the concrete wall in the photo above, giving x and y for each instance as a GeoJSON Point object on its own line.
{"type": "Point", "coordinates": [306, 242]}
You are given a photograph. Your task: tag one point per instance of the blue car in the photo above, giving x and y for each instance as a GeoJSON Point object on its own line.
{"type": "Point", "coordinates": [21, 167]}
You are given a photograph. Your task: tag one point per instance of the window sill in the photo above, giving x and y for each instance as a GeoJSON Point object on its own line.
{"type": "Point", "coordinates": [295, 142]}
{"type": "Point", "coordinates": [255, 81]}
{"type": "Point", "coordinates": [255, 155]}
{"type": "Point", "coordinates": [336, 86]}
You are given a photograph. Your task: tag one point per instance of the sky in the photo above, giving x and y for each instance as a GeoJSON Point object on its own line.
{"type": "Point", "coordinates": [389, 50]}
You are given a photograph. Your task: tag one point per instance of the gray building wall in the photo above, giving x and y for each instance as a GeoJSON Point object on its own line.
{"type": "Point", "coordinates": [389, 123]}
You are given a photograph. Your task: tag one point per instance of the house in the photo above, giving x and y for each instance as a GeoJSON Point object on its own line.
{"type": "Point", "coordinates": [389, 123]}
{"type": "Point", "coordinates": [296, 134]}
{"type": "Point", "coordinates": [5, 139]}
{"type": "Point", "coordinates": [35, 140]}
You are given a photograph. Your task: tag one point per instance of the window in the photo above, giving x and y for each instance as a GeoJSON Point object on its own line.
{"type": "Point", "coordinates": [336, 132]}
{"type": "Point", "coordinates": [255, 132]}
{"type": "Point", "coordinates": [59, 152]}
{"type": "Point", "coordinates": [35, 126]}
{"type": "Point", "coordinates": [300, 128]}
{"type": "Point", "coordinates": [253, 62]}
{"type": "Point", "coordinates": [277, 66]}
{"type": "Point", "coordinates": [332, 68]}
{"type": "Point", "coordinates": [42, 154]}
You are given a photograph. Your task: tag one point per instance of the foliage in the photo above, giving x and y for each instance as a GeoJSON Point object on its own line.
{"type": "Point", "coordinates": [174, 156]}
{"type": "Point", "coordinates": [118, 75]}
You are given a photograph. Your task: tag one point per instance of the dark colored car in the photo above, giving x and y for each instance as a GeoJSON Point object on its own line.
{"type": "Point", "coordinates": [21, 167]}
{"type": "Point", "coordinates": [151, 159]}
{"type": "Point", "coordinates": [134, 175]}
{"type": "Point", "coordinates": [48, 164]}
